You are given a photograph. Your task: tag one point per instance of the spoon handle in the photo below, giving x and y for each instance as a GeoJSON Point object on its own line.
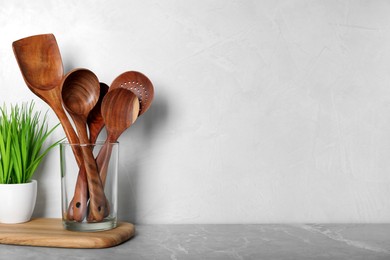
{"type": "Point", "coordinates": [77, 208]}
{"type": "Point", "coordinates": [97, 198]}
{"type": "Point", "coordinates": [98, 201]}
{"type": "Point", "coordinates": [65, 123]}
{"type": "Point", "coordinates": [103, 160]}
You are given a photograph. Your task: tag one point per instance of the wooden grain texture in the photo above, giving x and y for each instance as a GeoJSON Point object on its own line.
{"type": "Point", "coordinates": [49, 232]}
{"type": "Point", "coordinates": [137, 83]}
{"type": "Point", "coordinates": [40, 63]}
{"type": "Point", "coordinates": [120, 108]}
{"type": "Point", "coordinates": [80, 93]}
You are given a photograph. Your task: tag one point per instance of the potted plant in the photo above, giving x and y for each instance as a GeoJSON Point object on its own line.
{"type": "Point", "coordinates": [22, 136]}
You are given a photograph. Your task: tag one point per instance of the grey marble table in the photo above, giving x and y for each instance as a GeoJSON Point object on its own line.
{"type": "Point", "coordinates": [298, 241]}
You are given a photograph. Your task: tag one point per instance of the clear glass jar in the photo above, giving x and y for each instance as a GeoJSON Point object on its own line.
{"type": "Point", "coordinates": [77, 205]}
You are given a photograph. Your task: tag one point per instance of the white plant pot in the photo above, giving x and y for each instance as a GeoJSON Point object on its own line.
{"type": "Point", "coordinates": [17, 202]}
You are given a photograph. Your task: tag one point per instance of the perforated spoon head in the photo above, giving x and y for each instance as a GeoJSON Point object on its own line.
{"type": "Point", "coordinates": [137, 83]}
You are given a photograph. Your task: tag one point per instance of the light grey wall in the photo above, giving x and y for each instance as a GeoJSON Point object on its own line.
{"type": "Point", "coordinates": [264, 111]}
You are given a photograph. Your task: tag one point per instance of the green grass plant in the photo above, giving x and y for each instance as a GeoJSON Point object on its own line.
{"type": "Point", "coordinates": [23, 132]}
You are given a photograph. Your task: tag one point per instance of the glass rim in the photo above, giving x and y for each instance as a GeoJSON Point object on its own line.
{"type": "Point", "coordinates": [100, 142]}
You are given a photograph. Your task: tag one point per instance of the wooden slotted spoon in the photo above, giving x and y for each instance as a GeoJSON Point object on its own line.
{"type": "Point", "coordinates": [137, 83]}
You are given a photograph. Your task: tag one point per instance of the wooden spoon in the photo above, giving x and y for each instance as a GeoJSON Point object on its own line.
{"type": "Point", "coordinates": [142, 87]}
{"type": "Point", "coordinates": [40, 62]}
{"type": "Point", "coordinates": [120, 110]}
{"type": "Point", "coordinates": [80, 93]}
{"type": "Point", "coordinates": [77, 209]}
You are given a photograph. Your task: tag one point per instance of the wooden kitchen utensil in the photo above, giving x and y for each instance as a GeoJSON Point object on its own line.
{"type": "Point", "coordinates": [142, 87]}
{"type": "Point", "coordinates": [78, 206]}
{"type": "Point", "coordinates": [80, 93]}
{"type": "Point", "coordinates": [95, 120]}
{"type": "Point", "coordinates": [40, 62]}
{"type": "Point", "coordinates": [120, 110]}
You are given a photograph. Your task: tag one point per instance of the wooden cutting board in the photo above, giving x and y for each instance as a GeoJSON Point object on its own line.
{"type": "Point", "coordinates": [49, 232]}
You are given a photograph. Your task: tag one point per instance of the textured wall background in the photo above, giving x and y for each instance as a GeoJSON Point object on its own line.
{"type": "Point", "coordinates": [264, 111]}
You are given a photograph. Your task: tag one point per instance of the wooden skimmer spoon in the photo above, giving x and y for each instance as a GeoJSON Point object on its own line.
{"type": "Point", "coordinates": [137, 83]}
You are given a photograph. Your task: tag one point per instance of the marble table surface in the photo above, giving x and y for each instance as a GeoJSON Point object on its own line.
{"type": "Point", "coordinates": [272, 241]}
